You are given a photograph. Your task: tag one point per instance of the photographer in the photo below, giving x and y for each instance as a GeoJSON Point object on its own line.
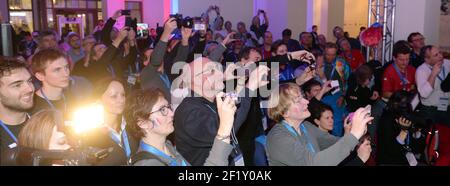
{"type": "Point", "coordinates": [155, 75]}
{"type": "Point", "coordinates": [151, 119]}
{"type": "Point", "coordinates": [400, 139]}
{"type": "Point", "coordinates": [294, 142]}
{"type": "Point", "coordinates": [336, 69]}
{"type": "Point", "coordinates": [258, 28]}
{"type": "Point", "coordinates": [322, 117]}
{"type": "Point", "coordinates": [199, 111]}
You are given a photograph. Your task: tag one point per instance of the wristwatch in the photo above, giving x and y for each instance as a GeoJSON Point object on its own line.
{"type": "Point", "coordinates": [221, 138]}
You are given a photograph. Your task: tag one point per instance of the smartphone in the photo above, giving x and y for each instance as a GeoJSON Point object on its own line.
{"type": "Point", "coordinates": [368, 108]}
{"type": "Point", "coordinates": [126, 12]}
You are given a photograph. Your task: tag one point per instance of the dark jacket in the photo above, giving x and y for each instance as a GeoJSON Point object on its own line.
{"type": "Point", "coordinates": [389, 150]}
{"type": "Point", "coordinates": [445, 86]}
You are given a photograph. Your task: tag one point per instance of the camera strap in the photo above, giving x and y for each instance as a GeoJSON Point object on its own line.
{"type": "Point", "coordinates": [51, 104]}
{"type": "Point", "coordinates": [158, 153]}
{"type": "Point", "coordinates": [13, 137]}
{"type": "Point", "coordinates": [238, 158]}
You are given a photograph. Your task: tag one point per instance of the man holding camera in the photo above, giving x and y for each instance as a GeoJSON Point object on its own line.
{"type": "Point", "coordinates": [429, 77]}
{"type": "Point", "coordinates": [154, 75]}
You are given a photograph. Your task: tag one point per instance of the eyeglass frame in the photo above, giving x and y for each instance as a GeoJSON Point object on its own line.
{"type": "Point", "coordinates": [169, 106]}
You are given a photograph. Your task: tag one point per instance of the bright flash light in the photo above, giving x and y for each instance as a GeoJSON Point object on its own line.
{"type": "Point", "coordinates": [87, 118]}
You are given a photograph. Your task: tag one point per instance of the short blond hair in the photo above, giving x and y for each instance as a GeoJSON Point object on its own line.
{"type": "Point", "coordinates": [280, 101]}
{"type": "Point", "coordinates": [38, 131]}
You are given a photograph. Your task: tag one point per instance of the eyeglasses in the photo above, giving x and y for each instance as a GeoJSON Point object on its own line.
{"type": "Point", "coordinates": [164, 110]}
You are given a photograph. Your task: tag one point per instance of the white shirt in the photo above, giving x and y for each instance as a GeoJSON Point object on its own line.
{"type": "Point", "coordinates": [118, 135]}
{"type": "Point", "coordinates": [430, 94]}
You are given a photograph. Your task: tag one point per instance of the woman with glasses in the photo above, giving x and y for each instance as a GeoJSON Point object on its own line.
{"type": "Point", "coordinates": [151, 120]}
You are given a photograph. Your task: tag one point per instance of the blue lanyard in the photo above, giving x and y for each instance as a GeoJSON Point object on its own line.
{"type": "Point", "coordinates": [442, 72]}
{"type": "Point", "coordinates": [8, 131]}
{"type": "Point", "coordinates": [292, 131]}
{"type": "Point", "coordinates": [153, 150]}
{"type": "Point", "coordinates": [51, 104]}
{"type": "Point", "coordinates": [138, 67]}
{"type": "Point", "coordinates": [333, 71]}
{"type": "Point", "coordinates": [402, 78]}
{"type": "Point", "coordinates": [407, 139]}
{"type": "Point", "coordinates": [310, 146]}
{"type": "Point", "coordinates": [165, 79]}
{"type": "Point", "coordinates": [126, 144]}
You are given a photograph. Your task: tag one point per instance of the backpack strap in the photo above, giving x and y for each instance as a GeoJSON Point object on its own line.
{"type": "Point", "coordinates": [144, 155]}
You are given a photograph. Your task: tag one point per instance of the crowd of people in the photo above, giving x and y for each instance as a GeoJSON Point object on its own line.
{"type": "Point", "coordinates": [220, 97]}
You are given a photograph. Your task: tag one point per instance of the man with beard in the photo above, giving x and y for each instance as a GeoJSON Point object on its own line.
{"type": "Point", "coordinates": [16, 97]}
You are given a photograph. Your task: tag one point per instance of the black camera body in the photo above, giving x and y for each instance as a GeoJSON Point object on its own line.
{"type": "Point", "coordinates": [73, 157]}
{"type": "Point", "coordinates": [126, 12]}
{"type": "Point", "coordinates": [186, 22]}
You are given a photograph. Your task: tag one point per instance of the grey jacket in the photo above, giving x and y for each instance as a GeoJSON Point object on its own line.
{"type": "Point", "coordinates": [218, 156]}
{"type": "Point", "coordinates": [150, 77]}
{"type": "Point", "coordinates": [287, 149]}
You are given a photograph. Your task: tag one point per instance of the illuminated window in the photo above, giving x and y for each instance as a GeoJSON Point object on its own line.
{"type": "Point", "coordinates": [136, 9]}
{"type": "Point", "coordinates": [21, 15]}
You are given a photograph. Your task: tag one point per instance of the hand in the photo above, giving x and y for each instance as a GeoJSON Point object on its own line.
{"type": "Point", "coordinates": [340, 101]}
{"type": "Point", "coordinates": [364, 151]}
{"type": "Point", "coordinates": [437, 68]}
{"type": "Point", "coordinates": [226, 109]}
{"type": "Point", "coordinates": [126, 48]}
{"type": "Point", "coordinates": [326, 87]}
{"type": "Point", "coordinates": [228, 39]}
{"type": "Point", "coordinates": [347, 125]}
{"type": "Point", "coordinates": [131, 35]}
{"type": "Point", "coordinates": [303, 55]}
{"type": "Point", "coordinates": [307, 75]}
{"type": "Point", "coordinates": [375, 96]}
{"type": "Point", "coordinates": [403, 122]}
{"type": "Point", "coordinates": [117, 14]}
{"type": "Point", "coordinates": [186, 34]}
{"type": "Point", "coordinates": [256, 77]}
{"type": "Point", "coordinates": [359, 122]}
{"type": "Point", "coordinates": [123, 33]}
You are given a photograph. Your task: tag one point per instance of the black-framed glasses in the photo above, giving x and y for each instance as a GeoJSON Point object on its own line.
{"type": "Point", "coordinates": [164, 110]}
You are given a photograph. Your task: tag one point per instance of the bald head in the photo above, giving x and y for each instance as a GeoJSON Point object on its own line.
{"type": "Point", "coordinates": [206, 77]}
